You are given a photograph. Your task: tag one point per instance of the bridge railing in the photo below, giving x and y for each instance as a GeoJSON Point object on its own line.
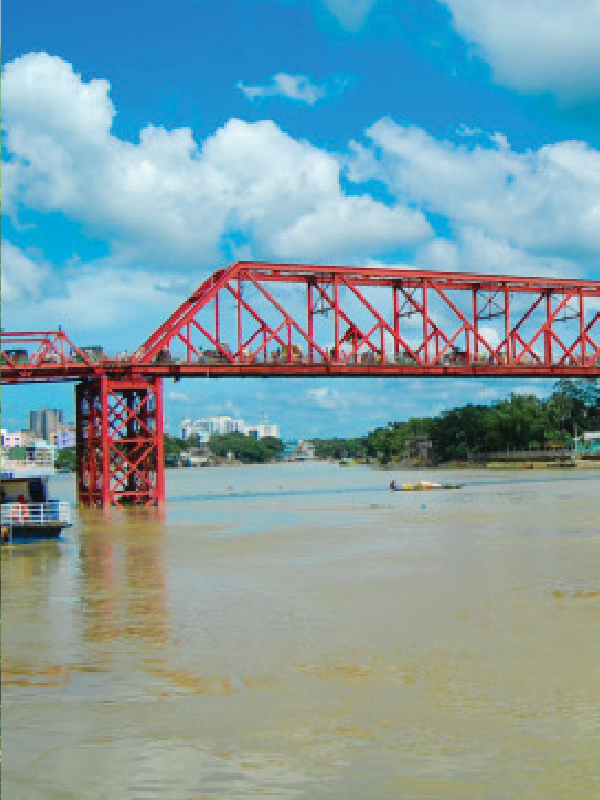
{"type": "Point", "coordinates": [345, 357]}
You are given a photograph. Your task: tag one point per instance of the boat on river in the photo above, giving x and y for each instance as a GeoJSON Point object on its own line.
{"type": "Point", "coordinates": [422, 486]}
{"type": "Point", "coordinates": [28, 513]}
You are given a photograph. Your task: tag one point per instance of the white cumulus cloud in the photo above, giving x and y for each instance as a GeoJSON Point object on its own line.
{"type": "Point", "coordinates": [545, 201]}
{"type": "Point", "coordinates": [325, 397]}
{"type": "Point", "coordinates": [536, 45]}
{"type": "Point", "coordinates": [94, 297]}
{"type": "Point", "coordinates": [293, 87]}
{"type": "Point", "coordinates": [350, 13]}
{"type": "Point", "coordinates": [22, 276]}
{"type": "Point", "coordinates": [251, 190]}
{"type": "Point", "coordinates": [179, 397]}
{"type": "Point", "coordinates": [172, 199]}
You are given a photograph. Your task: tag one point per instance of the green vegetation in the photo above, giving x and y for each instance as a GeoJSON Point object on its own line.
{"type": "Point", "coordinates": [243, 448]}
{"type": "Point", "coordinates": [392, 442]}
{"type": "Point", "coordinates": [246, 449]}
{"type": "Point", "coordinates": [17, 454]}
{"type": "Point", "coordinates": [172, 446]}
{"type": "Point", "coordinates": [340, 448]}
{"type": "Point", "coordinates": [518, 423]}
{"type": "Point", "coordinates": [65, 458]}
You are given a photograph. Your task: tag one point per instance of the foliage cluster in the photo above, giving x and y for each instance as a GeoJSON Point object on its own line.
{"type": "Point", "coordinates": [518, 423]}
{"type": "Point", "coordinates": [340, 448]}
{"type": "Point", "coordinates": [65, 458]}
{"type": "Point", "coordinates": [245, 448]}
{"type": "Point", "coordinates": [173, 446]}
{"type": "Point", "coordinates": [16, 454]}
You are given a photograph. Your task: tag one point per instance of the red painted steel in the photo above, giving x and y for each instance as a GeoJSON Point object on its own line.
{"type": "Point", "coordinates": [378, 322]}
{"type": "Point", "coordinates": [384, 322]}
{"type": "Point", "coordinates": [119, 442]}
{"type": "Point", "coordinates": [305, 320]}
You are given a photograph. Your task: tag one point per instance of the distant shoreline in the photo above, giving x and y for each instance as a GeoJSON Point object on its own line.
{"type": "Point", "coordinates": [450, 465]}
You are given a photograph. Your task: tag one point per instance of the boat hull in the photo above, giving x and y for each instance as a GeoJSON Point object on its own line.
{"type": "Point", "coordinates": [425, 487]}
{"type": "Point", "coordinates": [23, 532]}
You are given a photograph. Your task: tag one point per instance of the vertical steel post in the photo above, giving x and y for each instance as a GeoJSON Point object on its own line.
{"type": "Point", "coordinates": [336, 316]}
{"type": "Point", "coordinates": [160, 453]}
{"type": "Point", "coordinates": [425, 324]}
{"type": "Point", "coordinates": [507, 326]}
{"type": "Point", "coordinates": [582, 331]}
{"type": "Point", "coordinates": [475, 326]}
{"type": "Point", "coordinates": [131, 444]}
{"type": "Point", "coordinates": [217, 320]}
{"type": "Point", "coordinates": [548, 331]}
{"type": "Point", "coordinates": [105, 444]}
{"type": "Point", "coordinates": [310, 320]}
{"type": "Point", "coordinates": [396, 319]}
{"type": "Point", "coordinates": [239, 317]}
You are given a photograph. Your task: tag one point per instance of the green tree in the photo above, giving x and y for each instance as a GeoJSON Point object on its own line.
{"type": "Point", "coordinates": [245, 448]}
{"type": "Point", "coordinates": [65, 458]}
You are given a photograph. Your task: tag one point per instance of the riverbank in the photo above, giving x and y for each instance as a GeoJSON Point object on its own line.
{"type": "Point", "coordinates": [576, 464]}
{"type": "Point", "coordinates": [542, 465]}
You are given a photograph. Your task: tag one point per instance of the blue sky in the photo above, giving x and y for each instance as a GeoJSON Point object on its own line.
{"type": "Point", "coordinates": [145, 144]}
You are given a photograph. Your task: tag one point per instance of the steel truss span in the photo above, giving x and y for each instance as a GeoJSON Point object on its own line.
{"type": "Point", "coordinates": [287, 320]}
{"type": "Point", "coordinates": [275, 319]}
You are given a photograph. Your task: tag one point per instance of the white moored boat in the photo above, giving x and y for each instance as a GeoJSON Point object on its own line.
{"type": "Point", "coordinates": [28, 513]}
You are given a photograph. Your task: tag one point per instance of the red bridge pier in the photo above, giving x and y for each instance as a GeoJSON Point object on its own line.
{"type": "Point", "coordinates": [119, 442]}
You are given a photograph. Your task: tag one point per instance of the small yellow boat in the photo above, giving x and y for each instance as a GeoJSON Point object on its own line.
{"type": "Point", "coordinates": [422, 486]}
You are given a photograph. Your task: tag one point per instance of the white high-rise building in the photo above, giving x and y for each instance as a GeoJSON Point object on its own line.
{"type": "Point", "coordinates": [262, 430]}
{"type": "Point", "coordinates": [210, 426]}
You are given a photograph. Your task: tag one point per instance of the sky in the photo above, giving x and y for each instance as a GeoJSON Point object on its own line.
{"type": "Point", "coordinates": [146, 144]}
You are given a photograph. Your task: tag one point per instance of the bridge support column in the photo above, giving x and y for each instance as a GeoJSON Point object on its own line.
{"type": "Point", "coordinates": [119, 442]}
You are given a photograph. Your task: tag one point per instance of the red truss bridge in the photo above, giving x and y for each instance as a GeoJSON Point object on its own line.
{"type": "Point", "coordinates": [277, 320]}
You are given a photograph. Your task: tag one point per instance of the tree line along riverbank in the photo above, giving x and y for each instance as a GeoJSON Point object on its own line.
{"type": "Point", "coordinates": [521, 423]}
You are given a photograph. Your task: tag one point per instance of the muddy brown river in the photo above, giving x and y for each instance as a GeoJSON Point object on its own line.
{"type": "Point", "coordinates": [299, 631]}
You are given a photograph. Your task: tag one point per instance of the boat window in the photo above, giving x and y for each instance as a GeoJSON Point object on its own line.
{"type": "Point", "coordinates": [36, 491]}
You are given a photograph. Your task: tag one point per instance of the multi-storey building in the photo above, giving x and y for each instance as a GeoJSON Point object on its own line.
{"type": "Point", "coordinates": [45, 422]}
{"type": "Point", "coordinates": [210, 426]}
{"type": "Point", "coordinates": [20, 438]}
{"type": "Point", "coordinates": [64, 437]}
{"type": "Point", "coordinates": [262, 430]}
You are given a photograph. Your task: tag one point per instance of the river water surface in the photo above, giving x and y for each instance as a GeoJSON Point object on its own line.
{"type": "Point", "coordinates": [299, 631]}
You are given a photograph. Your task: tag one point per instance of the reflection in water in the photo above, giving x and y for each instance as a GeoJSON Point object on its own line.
{"type": "Point", "coordinates": [98, 591]}
{"type": "Point", "coordinates": [300, 642]}
{"type": "Point", "coordinates": [22, 564]}
{"type": "Point", "coordinates": [121, 566]}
